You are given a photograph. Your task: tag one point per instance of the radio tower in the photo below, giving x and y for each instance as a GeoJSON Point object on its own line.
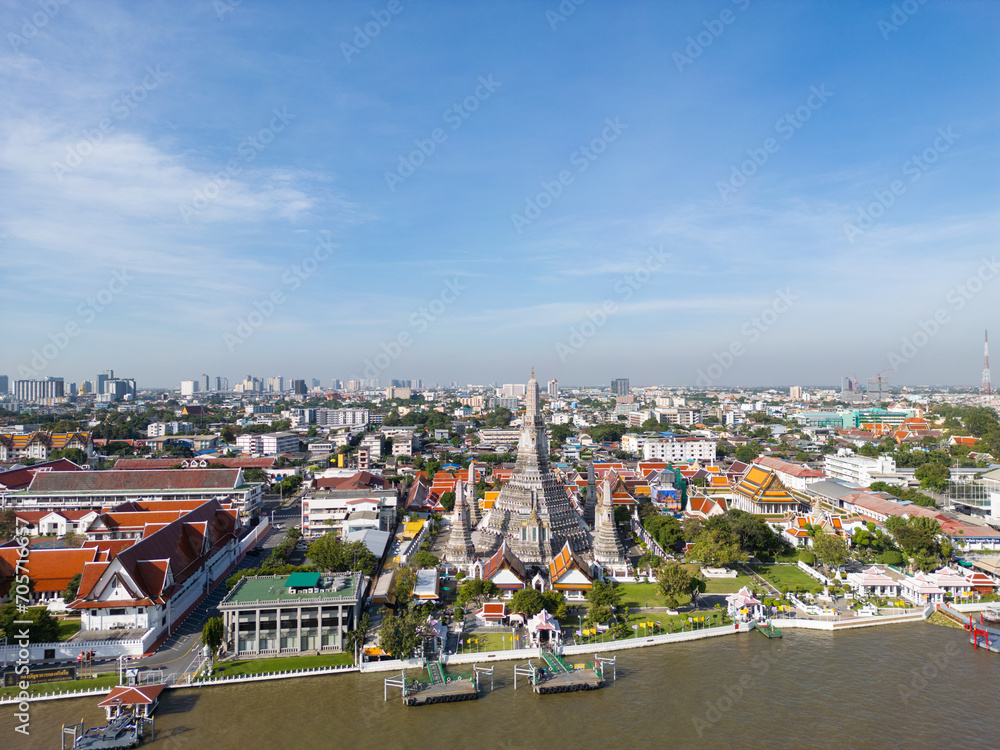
{"type": "Point", "coordinates": [987, 389]}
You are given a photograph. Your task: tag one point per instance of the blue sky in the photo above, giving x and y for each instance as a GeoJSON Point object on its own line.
{"type": "Point", "coordinates": [240, 188]}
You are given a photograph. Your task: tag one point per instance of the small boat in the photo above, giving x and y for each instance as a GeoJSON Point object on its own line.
{"type": "Point", "coordinates": [992, 612]}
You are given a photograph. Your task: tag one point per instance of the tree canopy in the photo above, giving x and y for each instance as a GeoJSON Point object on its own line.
{"type": "Point", "coordinates": [331, 553]}
{"type": "Point", "coordinates": [674, 582]}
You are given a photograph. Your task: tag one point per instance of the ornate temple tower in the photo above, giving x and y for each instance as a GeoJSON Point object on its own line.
{"type": "Point", "coordinates": [475, 514]}
{"type": "Point", "coordinates": [534, 491]}
{"type": "Point", "coordinates": [608, 549]}
{"type": "Point", "coordinates": [590, 505]}
{"type": "Point", "coordinates": [460, 548]}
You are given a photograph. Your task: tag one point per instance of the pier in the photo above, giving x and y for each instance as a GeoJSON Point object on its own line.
{"type": "Point", "coordinates": [559, 677]}
{"type": "Point", "coordinates": [440, 687]}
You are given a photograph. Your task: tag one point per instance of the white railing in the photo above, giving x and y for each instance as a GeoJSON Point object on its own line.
{"type": "Point", "coordinates": [814, 573]}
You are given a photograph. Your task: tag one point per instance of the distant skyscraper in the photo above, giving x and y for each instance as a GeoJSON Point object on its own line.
{"type": "Point", "coordinates": [205, 383]}
{"type": "Point", "coordinates": [553, 388]}
{"type": "Point", "coordinates": [39, 390]}
{"type": "Point", "coordinates": [189, 387]}
{"type": "Point", "coordinates": [987, 387]}
{"type": "Point", "coordinates": [795, 391]}
{"type": "Point", "coordinates": [620, 387]}
{"type": "Point", "coordinates": [103, 378]}
{"type": "Point", "coordinates": [299, 387]}
{"type": "Point", "coordinates": [4, 384]}
{"type": "Point", "coordinates": [315, 382]}
{"type": "Point", "coordinates": [221, 384]}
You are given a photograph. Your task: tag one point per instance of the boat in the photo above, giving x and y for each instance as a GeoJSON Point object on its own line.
{"type": "Point", "coordinates": [992, 612]}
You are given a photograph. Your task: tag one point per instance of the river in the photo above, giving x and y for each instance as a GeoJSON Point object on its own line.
{"type": "Point", "coordinates": [912, 685]}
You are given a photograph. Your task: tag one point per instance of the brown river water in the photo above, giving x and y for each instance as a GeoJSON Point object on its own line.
{"type": "Point", "coordinates": [898, 686]}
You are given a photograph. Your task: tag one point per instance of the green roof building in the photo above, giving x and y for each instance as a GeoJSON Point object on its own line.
{"type": "Point", "coordinates": [291, 614]}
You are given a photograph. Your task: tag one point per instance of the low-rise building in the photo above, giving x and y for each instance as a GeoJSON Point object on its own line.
{"type": "Point", "coordinates": [292, 613]}
{"type": "Point", "coordinates": [678, 449]}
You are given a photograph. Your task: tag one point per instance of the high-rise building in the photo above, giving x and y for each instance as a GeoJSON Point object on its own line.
{"type": "Point", "coordinates": [275, 384]}
{"type": "Point", "coordinates": [221, 384]}
{"type": "Point", "coordinates": [299, 387]}
{"type": "Point", "coordinates": [39, 390]}
{"type": "Point", "coordinates": [315, 382]}
{"type": "Point", "coordinates": [795, 391]}
{"type": "Point", "coordinates": [205, 383]}
{"type": "Point", "coordinates": [4, 384]}
{"type": "Point", "coordinates": [532, 514]}
{"type": "Point", "coordinates": [553, 388]}
{"type": "Point", "coordinates": [620, 387]}
{"type": "Point", "coordinates": [189, 387]}
{"type": "Point", "coordinates": [513, 390]}
{"type": "Point", "coordinates": [103, 378]}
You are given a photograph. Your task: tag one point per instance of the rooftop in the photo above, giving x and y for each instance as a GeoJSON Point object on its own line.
{"type": "Point", "coordinates": [274, 589]}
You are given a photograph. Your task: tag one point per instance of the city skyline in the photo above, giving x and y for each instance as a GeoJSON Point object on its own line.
{"type": "Point", "coordinates": [784, 194]}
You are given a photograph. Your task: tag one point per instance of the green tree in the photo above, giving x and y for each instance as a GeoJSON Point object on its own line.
{"type": "Point", "coordinates": [44, 628]}
{"type": "Point", "coordinates": [933, 476]}
{"type": "Point", "coordinates": [76, 455]}
{"type": "Point", "coordinates": [674, 583]}
{"type": "Point", "coordinates": [448, 501]}
{"type": "Point", "coordinates": [747, 452]}
{"type": "Point", "coordinates": [398, 635]}
{"type": "Point", "coordinates": [72, 588]}
{"type": "Point", "coordinates": [868, 449]}
{"type": "Point", "coordinates": [605, 598]}
{"type": "Point", "coordinates": [331, 553]}
{"type": "Point", "coordinates": [476, 590]}
{"type": "Point", "coordinates": [666, 530]}
{"type": "Point", "coordinates": [212, 634]}
{"type": "Point", "coordinates": [830, 549]}
{"type": "Point", "coordinates": [555, 604]}
{"type": "Point", "coordinates": [8, 525]}
{"type": "Point", "coordinates": [355, 640]}
{"type": "Point", "coordinates": [717, 545]}
{"type": "Point", "coordinates": [405, 580]}
{"type": "Point", "coordinates": [527, 600]}
{"type": "Point", "coordinates": [424, 559]}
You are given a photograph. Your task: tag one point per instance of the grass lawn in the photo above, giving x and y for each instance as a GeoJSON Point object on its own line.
{"type": "Point", "coordinates": [280, 664]}
{"type": "Point", "coordinates": [487, 642]}
{"type": "Point", "coordinates": [727, 585]}
{"type": "Point", "coordinates": [786, 575]}
{"type": "Point", "coordinates": [644, 595]}
{"type": "Point", "coordinates": [68, 628]}
{"type": "Point", "coordinates": [666, 624]}
{"type": "Point", "coordinates": [107, 680]}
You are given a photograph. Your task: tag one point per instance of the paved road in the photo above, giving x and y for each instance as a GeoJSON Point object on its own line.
{"type": "Point", "coordinates": [183, 648]}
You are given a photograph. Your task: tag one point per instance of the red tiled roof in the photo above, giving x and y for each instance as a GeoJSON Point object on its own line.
{"type": "Point", "coordinates": [17, 479]}
{"type": "Point", "coordinates": [136, 481]}
{"type": "Point", "coordinates": [50, 569]}
{"type": "Point", "coordinates": [363, 480]}
{"type": "Point", "coordinates": [238, 462]}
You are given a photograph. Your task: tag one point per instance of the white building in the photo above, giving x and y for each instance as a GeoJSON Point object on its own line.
{"type": "Point", "coordinates": [678, 449]}
{"type": "Point", "coordinates": [270, 444]}
{"type": "Point", "coordinates": [162, 429]}
{"type": "Point", "coordinates": [863, 470]}
{"type": "Point", "coordinates": [189, 387]}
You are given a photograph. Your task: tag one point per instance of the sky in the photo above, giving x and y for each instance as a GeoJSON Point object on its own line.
{"type": "Point", "coordinates": [714, 193]}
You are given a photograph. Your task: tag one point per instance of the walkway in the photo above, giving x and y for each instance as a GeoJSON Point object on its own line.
{"type": "Point", "coordinates": [555, 662]}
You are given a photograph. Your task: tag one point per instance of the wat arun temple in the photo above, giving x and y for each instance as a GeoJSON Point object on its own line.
{"type": "Point", "coordinates": [533, 517]}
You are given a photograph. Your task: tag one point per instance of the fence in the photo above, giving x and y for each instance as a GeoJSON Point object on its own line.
{"type": "Point", "coordinates": [808, 570]}
{"type": "Point", "coordinates": [657, 640]}
{"type": "Point", "coordinates": [69, 650]}
{"type": "Point", "coordinates": [645, 536]}
{"type": "Point", "coordinates": [254, 536]}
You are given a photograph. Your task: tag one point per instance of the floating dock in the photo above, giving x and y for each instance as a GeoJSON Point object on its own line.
{"type": "Point", "coordinates": [769, 630]}
{"type": "Point", "coordinates": [439, 688]}
{"type": "Point", "coordinates": [125, 731]}
{"type": "Point", "coordinates": [559, 677]}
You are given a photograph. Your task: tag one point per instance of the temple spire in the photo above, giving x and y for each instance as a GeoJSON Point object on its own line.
{"type": "Point", "coordinates": [460, 548]}
{"type": "Point", "coordinates": [608, 548]}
